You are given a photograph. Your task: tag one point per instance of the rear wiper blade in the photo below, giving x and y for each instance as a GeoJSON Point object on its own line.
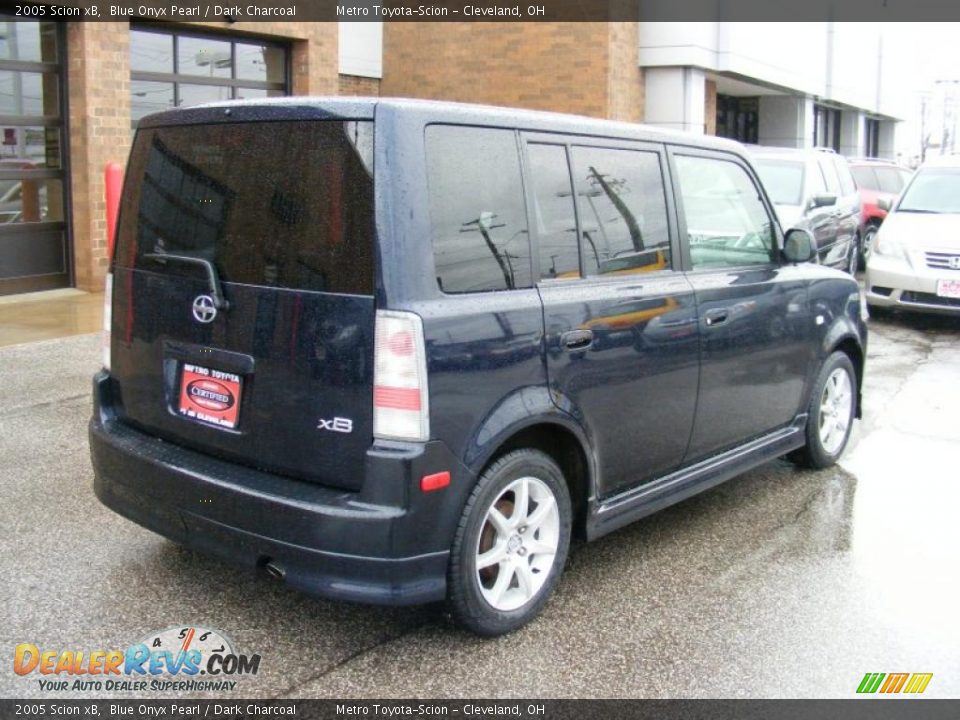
{"type": "Point", "coordinates": [216, 291]}
{"type": "Point", "coordinates": [919, 210]}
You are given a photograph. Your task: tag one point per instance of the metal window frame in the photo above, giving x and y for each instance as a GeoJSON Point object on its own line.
{"type": "Point", "coordinates": [176, 78]}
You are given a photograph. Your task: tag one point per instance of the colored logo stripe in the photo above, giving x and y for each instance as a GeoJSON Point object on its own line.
{"type": "Point", "coordinates": [918, 683]}
{"type": "Point", "coordinates": [894, 683]}
{"type": "Point", "coordinates": [870, 682]}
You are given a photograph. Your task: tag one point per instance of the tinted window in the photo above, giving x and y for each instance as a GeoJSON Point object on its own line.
{"type": "Point", "coordinates": [846, 179]}
{"type": "Point", "coordinates": [623, 213]}
{"type": "Point", "coordinates": [890, 180]}
{"type": "Point", "coordinates": [830, 174]}
{"type": "Point", "coordinates": [865, 178]}
{"type": "Point", "coordinates": [553, 211]}
{"type": "Point", "coordinates": [287, 204]}
{"type": "Point", "coordinates": [727, 223]}
{"type": "Point", "coordinates": [478, 217]}
{"type": "Point", "coordinates": [783, 180]}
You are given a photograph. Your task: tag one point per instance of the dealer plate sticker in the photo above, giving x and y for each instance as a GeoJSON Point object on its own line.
{"type": "Point", "coordinates": [948, 288]}
{"type": "Point", "coordinates": [209, 396]}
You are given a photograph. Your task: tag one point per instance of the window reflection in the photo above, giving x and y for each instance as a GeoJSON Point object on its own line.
{"type": "Point", "coordinates": [623, 213]}
{"type": "Point", "coordinates": [553, 211]}
{"type": "Point", "coordinates": [28, 41]}
{"type": "Point", "coordinates": [204, 56]}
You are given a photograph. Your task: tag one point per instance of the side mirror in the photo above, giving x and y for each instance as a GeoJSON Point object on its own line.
{"type": "Point", "coordinates": [798, 246]}
{"type": "Point", "coordinates": [885, 204]}
{"type": "Point", "coordinates": [823, 200]}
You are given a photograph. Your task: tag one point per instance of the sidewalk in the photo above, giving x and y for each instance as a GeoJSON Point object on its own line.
{"type": "Point", "coordinates": [48, 315]}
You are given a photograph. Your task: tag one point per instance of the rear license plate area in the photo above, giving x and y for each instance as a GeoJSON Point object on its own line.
{"type": "Point", "coordinates": [209, 396]}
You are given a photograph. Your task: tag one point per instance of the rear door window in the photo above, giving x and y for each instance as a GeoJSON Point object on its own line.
{"type": "Point", "coordinates": [847, 185]}
{"type": "Point", "coordinates": [279, 204]}
{"type": "Point", "coordinates": [623, 212]}
{"type": "Point", "coordinates": [830, 174]}
{"type": "Point", "coordinates": [477, 211]}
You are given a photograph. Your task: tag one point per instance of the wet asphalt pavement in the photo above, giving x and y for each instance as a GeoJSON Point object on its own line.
{"type": "Point", "coordinates": [780, 583]}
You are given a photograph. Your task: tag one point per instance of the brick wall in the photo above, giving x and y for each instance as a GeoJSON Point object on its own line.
{"type": "Point", "coordinates": [585, 68]}
{"type": "Point", "coordinates": [98, 76]}
{"type": "Point", "coordinates": [624, 76]}
{"type": "Point", "coordinates": [360, 86]}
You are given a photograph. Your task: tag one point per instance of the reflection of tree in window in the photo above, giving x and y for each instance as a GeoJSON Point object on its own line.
{"type": "Point", "coordinates": [622, 210]}
{"type": "Point", "coordinates": [478, 217]}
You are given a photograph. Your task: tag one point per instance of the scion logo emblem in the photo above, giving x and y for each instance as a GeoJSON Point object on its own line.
{"type": "Point", "coordinates": [203, 309]}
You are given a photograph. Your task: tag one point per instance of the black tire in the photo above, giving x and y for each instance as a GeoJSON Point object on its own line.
{"type": "Point", "coordinates": [465, 588]}
{"type": "Point", "coordinates": [866, 245]}
{"type": "Point", "coordinates": [814, 454]}
{"type": "Point", "coordinates": [853, 257]}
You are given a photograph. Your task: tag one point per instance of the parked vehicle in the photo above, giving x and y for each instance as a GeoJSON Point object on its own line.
{"type": "Point", "coordinates": [814, 190]}
{"type": "Point", "coordinates": [915, 263]}
{"type": "Point", "coordinates": [397, 352]}
{"type": "Point", "coordinates": [876, 180]}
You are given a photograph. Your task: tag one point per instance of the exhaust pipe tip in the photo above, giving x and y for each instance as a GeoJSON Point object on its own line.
{"type": "Point", "coordinates": [273, 570]}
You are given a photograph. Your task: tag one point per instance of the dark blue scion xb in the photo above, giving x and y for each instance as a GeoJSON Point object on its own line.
{"type": "Point", "coordinates": [396, 352]}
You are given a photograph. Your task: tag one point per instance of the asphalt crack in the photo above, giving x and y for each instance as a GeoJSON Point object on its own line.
{"type": "Point", "coordinates": [343, 662]}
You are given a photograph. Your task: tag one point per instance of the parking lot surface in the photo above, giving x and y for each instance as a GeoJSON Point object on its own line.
{"type": "Point", "coordinates": [780, 583]}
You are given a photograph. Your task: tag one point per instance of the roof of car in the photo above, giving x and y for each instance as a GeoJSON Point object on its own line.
{"type": "Point", "coordinates": [950, 161]}
{"type": "Point", "coordinates": [770, 151]}
{"type": "Point", "coordinates": [357, 108]}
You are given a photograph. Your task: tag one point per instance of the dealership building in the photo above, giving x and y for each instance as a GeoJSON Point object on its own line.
{"type": "Point", "coordinates": [72, 92]}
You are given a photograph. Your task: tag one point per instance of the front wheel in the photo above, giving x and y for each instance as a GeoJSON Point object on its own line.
{"type": "Point", "coordinates": [853, 257]}
{"type": "Point", "coordinates": [830, 414]}
{"type": "Point", "coordinates": [866, 247]}
{"type": "Point", "coordinates": [511, 544]}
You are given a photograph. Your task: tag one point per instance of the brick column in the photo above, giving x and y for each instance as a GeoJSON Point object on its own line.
{"type": "Point", "coordinates": [98, 78]}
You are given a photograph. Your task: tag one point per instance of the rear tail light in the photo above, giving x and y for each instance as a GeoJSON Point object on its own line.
{"type": "Point", "coordinates": [107, 319]}
{"type": "Point", "coordinates": [400, 400]}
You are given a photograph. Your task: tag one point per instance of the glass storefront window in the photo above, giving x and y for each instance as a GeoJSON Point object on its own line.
{"type": "Point", "coordinates": [172, 69]}
{"type": "Point", "coordinates": [29, 147]}
{"type": "Point", "coordinates": [31, 200]}
{"type": "Point", "coordinates": [149, 97]}
{"type": "Point", "coordinates": [151, 52]}
{"type": "Point", "coordinates": [29, 93]}
{"type": "Point", "coordinates": [261, 62]}
{"type": "Point", "coordinates": [28, 41]}
{"type": "Point", "coordinates": [203, 56]}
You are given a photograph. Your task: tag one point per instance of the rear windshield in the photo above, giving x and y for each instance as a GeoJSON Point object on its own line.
{"type": "Point", "coordinates": [783, 180]}
{"type": "Point", "coordinates": [283, 204]}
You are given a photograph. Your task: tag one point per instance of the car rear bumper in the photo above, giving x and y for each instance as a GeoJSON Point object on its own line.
{"type": "Point", "coordinates": [324, 541]}
{"type": "Point", "coordinates": [893, 283]}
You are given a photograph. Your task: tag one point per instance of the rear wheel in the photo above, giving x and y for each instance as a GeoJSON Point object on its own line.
{"type": "Point", "coordinates": [511, 544]}
{"type": "Point", "coordinates": [830, 414]}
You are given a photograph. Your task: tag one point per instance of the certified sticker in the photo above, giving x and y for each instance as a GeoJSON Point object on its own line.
{"type": "Point", "coordinates": [209, 396]}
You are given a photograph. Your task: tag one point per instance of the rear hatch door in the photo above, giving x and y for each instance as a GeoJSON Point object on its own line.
{"type": "Point", "coordinates": [243, 308]}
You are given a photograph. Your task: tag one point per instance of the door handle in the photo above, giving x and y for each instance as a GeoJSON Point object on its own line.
{"type": "Point", "coordinates": [576, 339]}
{"type": "Point", "coordinates": [716, 317]}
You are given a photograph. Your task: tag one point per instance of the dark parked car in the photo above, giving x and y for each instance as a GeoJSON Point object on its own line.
{"type": "Point", "coordinates": [814, 190]}
{"type": "Point", "coordinates": [397, 352]}
{"type": "Point", "coordinates": [880, 182]}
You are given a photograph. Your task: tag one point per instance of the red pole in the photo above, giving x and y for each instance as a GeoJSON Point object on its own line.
{"type": "Point", "coordinates": [112, 184]}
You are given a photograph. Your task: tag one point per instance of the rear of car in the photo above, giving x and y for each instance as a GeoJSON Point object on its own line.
{"type": "Point", "coordinates": [254, 403]}
{"type": "Point", "coordinates": [915, 263]}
